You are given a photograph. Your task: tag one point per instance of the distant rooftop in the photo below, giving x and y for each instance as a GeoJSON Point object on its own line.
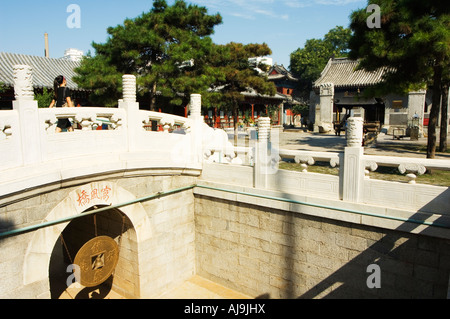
{"type": "Point", "coordinates": [73, 55]}
{"type": "Point", "coordinates": [342, 73]}
{"type": "Point", "coordinates": [279, 72]}
{"type": "Point", "coordinates": [45, 70]}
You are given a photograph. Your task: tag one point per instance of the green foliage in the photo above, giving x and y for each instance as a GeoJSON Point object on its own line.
{"type": "Point", "coordinates": [413, 44]}
{"type": "Point", "coordinates": [157, 47]}
{"type": "Point", "coordinates": [301, 109]}
{"type": "Point", "coordinates": [45, 98]}
{"type": "Point", "coordinates": [413, 40]}
{"type": "Point", "coordinates": [153, 47]}
{"type": "Point", "coordinates": [235, 75]}
{"type": "Point", "coordinates": [3, 87]}
{"type": "Point", "coordinates": [307, 63]}
{"type": "Point", "coordinates": [102, 78]}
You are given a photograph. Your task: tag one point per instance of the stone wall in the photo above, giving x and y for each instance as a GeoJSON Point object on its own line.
{"type": "Point", "coordinates": [157, 242]}
{"type": "Point", "coordinates": [272, 253]}
{"type": "Point", "coordinates": [260, 247]}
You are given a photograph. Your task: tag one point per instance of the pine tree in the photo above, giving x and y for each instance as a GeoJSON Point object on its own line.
{"type": "Point", "coordinates": [154, 47]}
{"type": "Point", "coordinates": [236, 75]}
{"type": "Point", "coordinates": [413, 43]}
{"type": "Point", "coordinates": [308, 62]}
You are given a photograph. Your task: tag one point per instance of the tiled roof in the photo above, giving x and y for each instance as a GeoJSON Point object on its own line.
{"type": "Point", "coordinates": [252, 93]}
{"type": "Point", "coordinates": [282, 73]}
{"type": "Point", "coordinates": [45, 70]}
{"type": "Point", "coordinates": [342, 73]}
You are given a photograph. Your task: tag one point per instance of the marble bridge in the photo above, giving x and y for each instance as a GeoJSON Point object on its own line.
{"type": "Point", "coordinates": [183, 201]}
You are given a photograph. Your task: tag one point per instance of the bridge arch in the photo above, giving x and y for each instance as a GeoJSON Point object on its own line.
{"type": "Point", "coordinates": [36, 267]}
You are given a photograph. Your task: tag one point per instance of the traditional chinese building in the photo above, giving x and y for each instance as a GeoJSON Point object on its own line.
{"type": "Point", "coordinates": [45, 70]}
{"type": "Point", "coordinates": [339, 91]}
{"type": "Point", "coordinates": [254, 106]}
{"type": "Point", "coordinates": [279, 106]}
{"type": "Point", "coordinates": [286, 84]}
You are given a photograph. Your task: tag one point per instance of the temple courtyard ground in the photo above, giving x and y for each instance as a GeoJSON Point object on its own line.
{"type": "Point", "coordinates": [194, 288]}
{"type": "Point", "coordinates": [200, 288]}
{"type": "Point", "coordinates": [300, 139]}
{"type": "Point", "coordinates": [385, 145]}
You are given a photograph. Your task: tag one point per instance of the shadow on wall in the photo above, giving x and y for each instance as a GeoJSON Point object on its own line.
{"type": "Point", "coordinates": [6, 225]}
{"type": "Point", "coordinates": [438, 203]}
{"type": "Point", "coordinates": [375, 262]}
{"type": "Point", "coordinates": [312, 257]}
{"type": "Point", "coordinates": [75, 235]}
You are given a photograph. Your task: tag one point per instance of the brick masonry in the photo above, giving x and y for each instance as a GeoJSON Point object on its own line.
{"type": "Point", "coordinates": [271, 253]}
{"type": "Point", "coordinates": [254, 249]}
{"type": "Point", "coordinates": [147, 268]}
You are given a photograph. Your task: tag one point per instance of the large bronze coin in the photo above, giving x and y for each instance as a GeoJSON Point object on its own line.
{"type": "Point", "coordinates": [97, 260]}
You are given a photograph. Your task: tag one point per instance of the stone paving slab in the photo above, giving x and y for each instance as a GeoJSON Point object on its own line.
{"type": "Point", "coordinates": [385, 145]}
{"type": "Point", "coordinates": [201, 288]}
{"type": "Point", "coordinates": [85, 293]}
{"type": "Point", "coordinates": [319, 142]}
{"type": "Point", "coordinates": [194, 288]}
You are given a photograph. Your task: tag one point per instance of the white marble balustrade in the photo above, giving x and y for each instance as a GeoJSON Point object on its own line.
{"type": "Point", "coordinates": [33, 154]}
{"type": "Point", "coordinates": [352, 185]}
{"type": "Point", "coordinates": [170, 123]}
{"type": "Point", "coordinates": [10, 149]}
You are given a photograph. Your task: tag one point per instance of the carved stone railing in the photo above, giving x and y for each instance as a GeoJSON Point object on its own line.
{"type": "Point", "coordinates": [169, 123]}
{"type": "Point", "coordinates": [85, 119]}
{"type": "Point", "coordinates": [33, 154]}
{"type": "Point", "coordinates": [352, 184]}
{"type": "Point", "coordinates": [309, 158]}
{"type": "Point", "coordinates": [103, 140]}
{"type": "Point", "coordinates": [6, 122]}
{"type": "Point", "coordinates": [405, 165]}
{"type": "Point", "coordinates": [411, 167]}
{"type": "Point", "coordinates": [10, 150]}
{"type": "Point", "coordinates": [217, 148]}
{"type": "Point", "coordinates": [237, 155]}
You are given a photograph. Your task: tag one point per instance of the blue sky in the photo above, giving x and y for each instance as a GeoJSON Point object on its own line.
{"type": "Point", "coordinates": [284, 25]}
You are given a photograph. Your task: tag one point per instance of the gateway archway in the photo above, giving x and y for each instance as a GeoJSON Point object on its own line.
{"type": "Point", "coordinates": [44, 253]}
{"type": "Point", "coordinates": [115, 265]}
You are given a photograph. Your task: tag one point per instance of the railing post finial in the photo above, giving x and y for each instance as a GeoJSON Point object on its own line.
{"type": "Point", "coordinates": [354, 131]}
{"type": "Point", "coordinates": [196, 106]}
{"type": "Point", "coordinates": [129, 88]}
{"type": "Point", "coordinates": [263, 128]}
{"type": "Point", "coordinates": [23, 82]}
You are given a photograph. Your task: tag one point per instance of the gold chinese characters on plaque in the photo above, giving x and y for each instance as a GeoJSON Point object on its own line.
{"type": "Point", "coordinates": [97, 260]}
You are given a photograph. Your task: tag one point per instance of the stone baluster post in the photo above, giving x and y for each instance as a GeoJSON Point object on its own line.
{"type": "Point", "coordinates": [416, 106]}
{"type": "Point", "coordinates": [129, 88]}
{"type": "Point", "coordinates": [262, 158]}
{"type": "Point", "coordinates": [27, 109]}
{"type": "Point", "coordinates": [324, 110]}
{"type": "Point", "coordinates": [196, 129]}
{"type": "Point", "coordinates": [196, 107]}
{"type": "Point", "coordinates": [132, 124]}
{"type": "Point", "coordinates": [354, 166]}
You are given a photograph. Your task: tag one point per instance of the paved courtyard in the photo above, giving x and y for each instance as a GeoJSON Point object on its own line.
{"type": "Point", "coordinates": [201, 288]}
{"type": "Point", "coordinates": [385, 145]}
{"type": "Point", "coordinates": [194, 288]}
{"type": "Point", "coordinates": [308, 141]}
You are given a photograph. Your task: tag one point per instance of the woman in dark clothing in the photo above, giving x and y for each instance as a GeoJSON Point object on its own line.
{"type": "Point", "coordinates": [62, 99]}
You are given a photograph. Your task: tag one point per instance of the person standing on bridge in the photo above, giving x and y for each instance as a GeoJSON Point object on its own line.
{"type": "Point", "coordinates": [62, 99]}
